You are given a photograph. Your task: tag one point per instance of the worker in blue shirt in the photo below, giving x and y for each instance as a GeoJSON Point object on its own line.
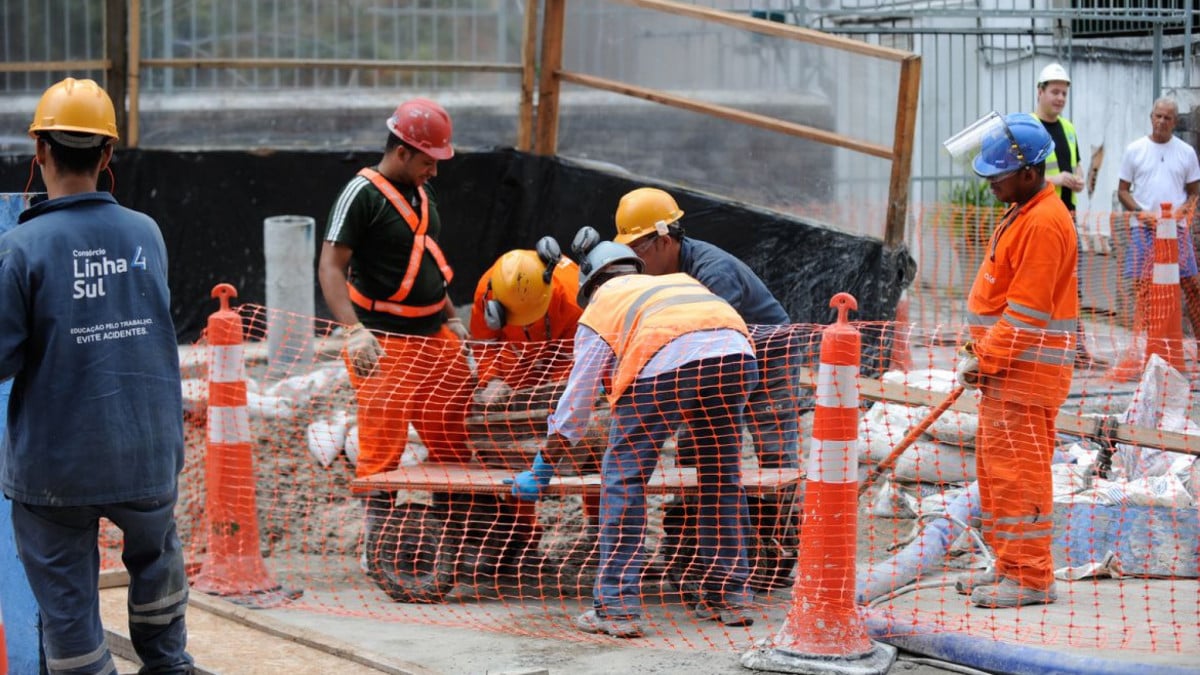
{"type": "Point", "coordinates": [648, 222]}
{"type": "Point", "coordinates": [95, 422]}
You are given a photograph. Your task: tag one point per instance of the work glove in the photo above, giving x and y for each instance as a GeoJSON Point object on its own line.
{"type": "Point", "coordinates": [364, 350]}
{"type": "Point", "coordinates": [528, 485]}
{"type": "Point", "coordinates": [456, 326]}
{"type": "Point", "coordinates": [967, 370]}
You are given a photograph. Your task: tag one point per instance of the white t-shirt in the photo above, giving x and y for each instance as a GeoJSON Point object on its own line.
{"type": "Point", "coordinates": [1159, 172]}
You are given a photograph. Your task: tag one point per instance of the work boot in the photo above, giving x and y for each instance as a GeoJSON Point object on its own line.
{"type": "Point", "coordinates": [729, 614]}
{"type": "Point", "coordinates": [967, 583]}
{"type": "Point", "coordinates": [1010, 593]}
{"type": "Point", "coordinates": [591, 622]}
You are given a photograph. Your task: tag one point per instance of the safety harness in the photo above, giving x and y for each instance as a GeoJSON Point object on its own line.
{"type": "Point", "coordinates": [421, 243]}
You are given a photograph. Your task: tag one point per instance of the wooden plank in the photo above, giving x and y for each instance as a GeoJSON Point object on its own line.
{"type": "Point", "coordinates": [48, 66]}
{"type": "Point", "coordinates": [905, 132]}
{"type": "Point", "coordinates": [478, 479]}
{"type": "Point", "coordinates": [528, 78]}
{"type": "Point", "coordinates": [116, 76]}
{"type": "Point", "coordinates": [771, 28]}
{"type": "Point", "coordinates": [1067, 422]}
{"type": "Point", "coordinates": [134, 49]}
{"type": "Point", "coordinates": [553, 22]}
{"type": "Point", "coordinates": [727, 113]}
{"type": "Point", "coordinates": [336, 64]}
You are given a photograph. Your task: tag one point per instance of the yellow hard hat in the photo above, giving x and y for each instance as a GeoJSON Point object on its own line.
{"type": "Point", "coordinates": [645, 211]}
{"type": "Point", "coordinates": [520, 283]}
{"type": "Point", "coordinates": [74, 105]}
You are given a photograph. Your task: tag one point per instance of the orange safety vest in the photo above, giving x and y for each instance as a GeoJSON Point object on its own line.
{"type": "Point", "coordinates": [1023, 307]}
{"type": "Point", "coordinates": [421, 243]}
{"type": "Point", "coordinates": [638, 314]}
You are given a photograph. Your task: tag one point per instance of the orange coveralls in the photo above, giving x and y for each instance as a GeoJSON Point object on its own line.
{"type": "Point", "coordinates": [524, 356]}
{"type": "Point", "coordinates": [1022, 311]}
{"type": "Point", "coordinates": [422, 380]}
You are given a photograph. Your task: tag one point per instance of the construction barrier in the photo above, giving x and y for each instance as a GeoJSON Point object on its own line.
{"type": "Point", "coordinates": [454, 529]}
{"type": "Point", "coordinates": [823, 631]}
{"type": "Point", "coordinates": [1159, 305]}
{"type": "Point", "coordinates": [900, 354]}
{"type": "Point", "coordinates": [234, 566]}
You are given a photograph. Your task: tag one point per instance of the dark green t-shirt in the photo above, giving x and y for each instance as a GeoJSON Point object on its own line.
{"type": "Point", "coordinates": [363, 220]}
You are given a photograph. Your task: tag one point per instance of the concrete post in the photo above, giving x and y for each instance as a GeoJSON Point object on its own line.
{"type": "Point", "coordinates": [288, 247]}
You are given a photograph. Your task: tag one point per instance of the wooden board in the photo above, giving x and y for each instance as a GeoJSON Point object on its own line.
{"type": "Point", "coordinates": [477, 479]}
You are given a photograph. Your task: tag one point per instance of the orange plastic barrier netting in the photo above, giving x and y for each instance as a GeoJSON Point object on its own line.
{"type": "Point", "coordinates": [450, 546]}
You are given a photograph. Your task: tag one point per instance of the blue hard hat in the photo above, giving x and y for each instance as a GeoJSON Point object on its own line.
{"type": "Point", "coordinates": [602, 256]}
{"type": "Point", "coordinates": [1022, 141]}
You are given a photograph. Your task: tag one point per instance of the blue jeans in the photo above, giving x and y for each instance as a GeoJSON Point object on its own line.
{"type": "Point", "coordinates": [59, 550]}
{"type": "Point", "coordinates": [710, 395]}
{"type": "Point", "coordinates": [773, 406]}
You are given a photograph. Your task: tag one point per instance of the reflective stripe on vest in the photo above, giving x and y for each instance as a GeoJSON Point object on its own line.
{"type": "Point", "coordinates": [421, 243]}
{"type": "Point", "coordinates": [638, 315]}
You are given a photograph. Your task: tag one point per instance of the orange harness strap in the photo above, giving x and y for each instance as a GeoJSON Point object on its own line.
{"type": "Point", "coordinates": [421, 244]}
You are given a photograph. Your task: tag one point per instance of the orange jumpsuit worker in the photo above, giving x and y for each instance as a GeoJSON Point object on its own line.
{"type": "Point", "coordinates": [1022, 311]}
{"type": "Point", "coordinates": [383, 274]}
{"type": "Point", "coordinates": [526, 300]}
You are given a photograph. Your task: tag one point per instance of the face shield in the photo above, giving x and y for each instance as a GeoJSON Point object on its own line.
{"type": "Point", "coordinates": [966, 144]}
{"type": "Point", "coordinates": [989, 147]}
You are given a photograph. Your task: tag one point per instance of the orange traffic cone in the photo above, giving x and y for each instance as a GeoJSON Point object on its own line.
{"type": "Point", "coordinates": [901, 355]}
{"type": "Point", "coordinates": [823, 631]}
{"type": "Point", "coordinates": [1158, 310]}
{"type": "Point", "coordinates": [234, 568]}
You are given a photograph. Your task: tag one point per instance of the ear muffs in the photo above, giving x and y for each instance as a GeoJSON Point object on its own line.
{"type": "Point", "coordinates": [585, 240]}
{"type": "Point", "coordinates": [549, 253]}
{"type": "Point", "coordinates": [494, 315]}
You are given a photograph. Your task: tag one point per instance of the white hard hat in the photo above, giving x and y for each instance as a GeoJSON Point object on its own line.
{"type": "Point", "coordinates": [1053, 73]}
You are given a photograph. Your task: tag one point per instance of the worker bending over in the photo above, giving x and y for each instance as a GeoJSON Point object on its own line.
{"type": "Point", "coordinates": [664, 349]}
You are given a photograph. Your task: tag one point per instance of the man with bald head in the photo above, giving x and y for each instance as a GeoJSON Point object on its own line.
{"type": "Point", "coordinates": [1157, 169]}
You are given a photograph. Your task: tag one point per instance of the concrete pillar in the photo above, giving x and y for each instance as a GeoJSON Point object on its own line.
{"type": "Point", "coordinates": [288, 246]}
{"type": "Point", "coordinates": [16, 599]}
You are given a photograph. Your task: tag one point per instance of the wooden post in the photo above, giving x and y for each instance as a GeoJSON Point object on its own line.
{"type": "Point", "coordinates": [528, 73]}
{"type": "Point", "coordinates": [552, 47]}
{"type": "Point", "coordinates": [115, 25]}
{"type": "Point", "coordinates": [906, 123]}
{"type": "Point", "coordinates": [135, 72]}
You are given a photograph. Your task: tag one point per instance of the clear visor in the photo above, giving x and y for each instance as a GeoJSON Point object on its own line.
{"type": "Point", "coordinates": [967, 143]}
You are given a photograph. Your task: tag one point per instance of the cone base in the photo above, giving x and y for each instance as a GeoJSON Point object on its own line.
{"type": "Point", "coordinates": [779, 660]}
{"type": "Point", "coordinates": [265, 598]}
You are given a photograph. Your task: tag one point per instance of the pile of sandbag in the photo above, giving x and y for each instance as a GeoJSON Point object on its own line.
{"type": "Point", "coordinates": [944, 455]}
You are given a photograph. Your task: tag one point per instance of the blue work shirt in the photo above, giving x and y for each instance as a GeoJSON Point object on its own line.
{"type": "Point", "coordinates": [732, 280]}
{"type": "Point", "coordinates": [86, 334]}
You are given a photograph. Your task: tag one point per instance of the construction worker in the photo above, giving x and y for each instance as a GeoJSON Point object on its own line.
{"type": "Point", "coordinates": [1157, 169]}
{"type": "Point", "coordinates": [1022, 311]}
{"type": "Point", "coordinates": [1063, 169]}
{"type": "Point", "coordinates": [665, 349]}
{"type": "Point", "coordinates": [384, 276]}
{"type": "Point", "coordinates": [86, 331]}
{"type": "Point", "coordinates": [526, 300]}
{"type": "Point", "coordinates": [648, 222]}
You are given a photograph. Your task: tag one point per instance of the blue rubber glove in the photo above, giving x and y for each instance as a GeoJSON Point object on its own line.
{"type": "Point", "coordinates": [527, 485]}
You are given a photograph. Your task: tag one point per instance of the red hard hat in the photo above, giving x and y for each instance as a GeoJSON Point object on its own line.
{"type": "Point", "coordinates": [425, 125]}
